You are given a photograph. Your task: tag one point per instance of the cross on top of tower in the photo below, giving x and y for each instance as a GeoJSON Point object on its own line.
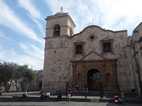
{"type": "Point", "coordinates": [59, 6]}
{"type": "Point", "coordinates": [61, 9]}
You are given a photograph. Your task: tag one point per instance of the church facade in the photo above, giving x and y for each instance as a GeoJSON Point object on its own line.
{"type": "Point", "coordinates": [93, 59]}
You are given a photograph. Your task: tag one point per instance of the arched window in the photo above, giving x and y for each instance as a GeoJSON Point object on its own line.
{"type": "Point", "coordinates": [57, 30]}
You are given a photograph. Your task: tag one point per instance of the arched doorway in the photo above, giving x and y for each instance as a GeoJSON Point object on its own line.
{"type": "Point", "coordinates": [94, 80]}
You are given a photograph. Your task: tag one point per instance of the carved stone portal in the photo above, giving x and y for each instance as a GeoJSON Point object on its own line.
{"type": "Point", "coordinates": [95, 75]}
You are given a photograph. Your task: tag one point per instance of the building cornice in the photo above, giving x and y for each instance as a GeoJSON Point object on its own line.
{"type": "Point", "coordinates": [95, 26]}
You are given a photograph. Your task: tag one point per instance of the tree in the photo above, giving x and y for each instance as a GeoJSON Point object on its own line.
{"type": "Point", "coordinates": [27, 76]}
{"type": "Point", "coordinates": [11, 71]}
{"type": "Point", "coordinates": [6, 70]}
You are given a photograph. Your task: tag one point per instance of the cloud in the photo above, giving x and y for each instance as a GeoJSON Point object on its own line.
{"type": "Point", "coordinates": [31, 56]}
{"type": "Point", "coordinates": [54, 5]}
{"type": "Point", "coordinates": [22, 59]}
{"type": "Point", "coordinates": [110, 14]}
{"type": "Point", "coordinates": [8, 18]}
{"type": "Point", "coordinates": [3, 36]}
{"type": "Point", "coordinates": [34, 13]}
{"type": "Point", "coordinates": [28, 5]}
{"type": "Point", "coordinates": [32, 51]}
{"type": "Point", "coordinates": [83, 12]}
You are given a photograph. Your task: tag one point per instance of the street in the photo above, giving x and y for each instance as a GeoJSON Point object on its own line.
{"type": "Point", "coordinates": [33, 99]}
{"type": "Point", "coordinates": [63, 104]}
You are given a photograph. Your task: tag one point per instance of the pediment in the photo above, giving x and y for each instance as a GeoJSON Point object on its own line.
{"type": "Point", "coordinates": [92, 56]}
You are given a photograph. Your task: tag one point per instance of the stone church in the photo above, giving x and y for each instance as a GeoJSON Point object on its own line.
{"type": "Point", "coordinates": [93, 59]}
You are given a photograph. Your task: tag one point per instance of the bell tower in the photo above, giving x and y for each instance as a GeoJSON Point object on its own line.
{"type": "Point", "coordinates": [57, 52]}
{"type": "Point", "coordinates": [59, 25]}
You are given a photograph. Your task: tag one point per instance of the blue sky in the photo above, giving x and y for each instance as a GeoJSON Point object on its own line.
{"type": "Point", "coordinates": [22, 23]}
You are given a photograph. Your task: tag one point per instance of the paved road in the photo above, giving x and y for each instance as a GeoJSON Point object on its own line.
{"type": "Point", "coordinates": [62, 104]}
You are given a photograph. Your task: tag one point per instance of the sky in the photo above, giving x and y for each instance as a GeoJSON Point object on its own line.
{"type": "Point", "coordinates": [22, 23]}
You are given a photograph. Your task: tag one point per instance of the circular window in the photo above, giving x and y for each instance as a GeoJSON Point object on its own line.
{"type": "Point", "coordinates": [91, 37]}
